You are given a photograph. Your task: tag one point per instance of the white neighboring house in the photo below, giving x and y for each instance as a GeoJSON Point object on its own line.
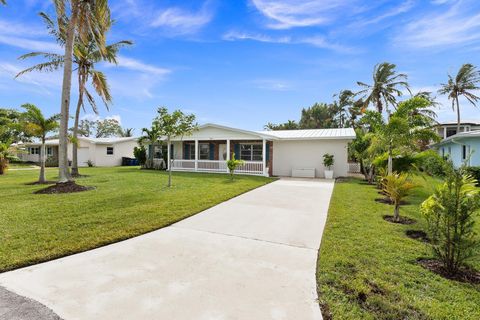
{"type": "Point", "coordinates": [268, 153]}
{"type": "Point", "coordinates": [101, 152]}
{"type": "Point", "coordinates": [449, 128]}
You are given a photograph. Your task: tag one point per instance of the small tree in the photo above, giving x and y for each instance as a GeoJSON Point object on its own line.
{"type": "Point", "coordinates": [328, 161]}
{"type": "Point", "coordinates": [175, 124]}
{"type": "Point", "coordinates": [397, 186]}
{"type": "Point", "coordinates": [39, 126]}
{"type": "Point", "coordinates": [7, 152]}
{"type": "Point", "coordinates": [233, 164]}
{"type": "Point", "coordinates": [140, 154]}
{"type": "Point", "coordinates": [451, 213]}
{"type": "Point", "coordinates": [150, 136]}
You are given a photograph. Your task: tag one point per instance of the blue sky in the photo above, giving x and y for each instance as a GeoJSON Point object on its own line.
{"type": "Point", "coordinates": [244, 63]}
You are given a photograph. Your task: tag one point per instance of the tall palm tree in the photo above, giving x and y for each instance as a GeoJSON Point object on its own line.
{"type": "Point", "coordinates": [38, 126]}
{"type": "Point", "coordinates": [85, 56]}
{"type": "Point", "coordinates": [78, 20]}
{"type": "Point", "coordinates": [465, 82]}
{"type": "Point", "coordinates": [385, 87]}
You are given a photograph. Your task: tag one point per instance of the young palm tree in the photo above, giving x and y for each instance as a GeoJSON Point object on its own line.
{"type": "Point", "coordinates": [152, 137]}
{"type": "Point", "coordinates": [465, 82]}
{"type": "Point", "coordinates": [385, 88]}
{"type": "Point", "coordinates": [397, 186]}
{"type": "Point", "coordinates": [86, 20]}
{"type": "Point", "coordinates": [38, 126]}
{"type": "Point", "coordinates": [85, 56]}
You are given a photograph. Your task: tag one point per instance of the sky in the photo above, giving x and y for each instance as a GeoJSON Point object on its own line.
{"type": "Point", "coordinates": [244, 63]}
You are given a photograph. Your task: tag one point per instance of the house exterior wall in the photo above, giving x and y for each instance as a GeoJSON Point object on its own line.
{"type": "Point", "coordinates": [454, 151]}
{"type": "Point", "coordinates": [120, 149]}
{"type": "Point", "coordinates": [309, 154]}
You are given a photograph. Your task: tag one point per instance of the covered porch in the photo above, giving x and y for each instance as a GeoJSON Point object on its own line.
{"type": "Point", "coordinates": [212, 155]}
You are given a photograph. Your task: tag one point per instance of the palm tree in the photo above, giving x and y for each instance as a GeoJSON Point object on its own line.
{"type": "Point", "coordinates": [128, 132]}
{"type": "Point", "coordinates": [86, 21]}
{"type": "Point", "coordinates": [38, 126]}
{"type": "Point", "coordinates": [385, 88]}
{"type": "Point", "coordinates": [397, 186]}
{"type": "Point", "coordinates": [152, 137]}
{"type": "Point", "coordinates": [85, 56]}
{"type": "Point", "coordinates": [466, 81]}
{"type": "Point", "coordinates": [7, 151]}
{"type": "Point", "coordinates": [4, 2]}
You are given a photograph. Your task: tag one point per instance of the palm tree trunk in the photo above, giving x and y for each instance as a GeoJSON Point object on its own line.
{"type": "Point", "coordinates": [458, 114]}
{"type": "Point", "coordinates": [390, 161]}
{"type": "Point", "coordinates": [63, 174]}
{"type": "Point", "coordinates": [41, 178]}
{"type": "Point", "coordinates": [75, 172]}
{"type": "Point", "coordinates": [396, 212]}
{"type": "Point", "coordinates": [379, 106]}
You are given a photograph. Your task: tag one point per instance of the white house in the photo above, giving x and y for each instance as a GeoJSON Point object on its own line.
{"type": "Point", "coordinates": [101, 152]}
{"type": "Point", "coordinates": [273, 153]}
{"type": "Point", "coordinates": [449, 128]}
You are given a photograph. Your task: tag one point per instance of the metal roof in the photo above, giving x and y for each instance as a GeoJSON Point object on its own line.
{"type": "Point", "coordinates": [312, 134]}
{"type": "Point", "coordinates": [459, 136]}
{"type": "Point", "coordinates": [55, 142]}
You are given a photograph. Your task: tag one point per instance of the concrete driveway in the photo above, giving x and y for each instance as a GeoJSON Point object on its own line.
{"type": "Point", "coordinates": [252, 257]}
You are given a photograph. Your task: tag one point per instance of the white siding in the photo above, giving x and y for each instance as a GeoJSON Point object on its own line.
{"type": "Point", "coordinates": [309, 154]}
{"type": "Point", "coordinates": [120, 149]}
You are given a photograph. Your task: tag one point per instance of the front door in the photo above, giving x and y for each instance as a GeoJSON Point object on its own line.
{"type": "Point", "coordinates": [222, 151]}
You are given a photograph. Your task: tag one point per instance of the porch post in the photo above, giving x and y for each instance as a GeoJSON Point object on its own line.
{"type": "Point", "coordinates": [196, 155]}
{"type": "Point", "coordinates": [228, 151]}
{"type": "Point", "coordinates": [444, 132]}
{"type": "Point", "coordinates": [264, 157]}
{"type": "Point", "coordinates": [169, 156]}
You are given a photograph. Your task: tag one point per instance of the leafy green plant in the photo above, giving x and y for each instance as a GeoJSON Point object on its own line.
{"type": "Point", "coordinates": [475, 173]}
{"type": "Point", "coordinates": [450, 213]}
{"type": "Point", "coordinates": [430, 162]}
{"type": "Point", "coordinates": [6, 154]}
{"type": "Point", "coordinates": [397, 186]}
{"type": "Point", "coordinates": [140, 154]}
{"type": "Point", "coordinates": [233, 164]}
{"type": "Point", "coordinates": [328, 161]}
{"type": "Point", "coordinates": [90, 163]}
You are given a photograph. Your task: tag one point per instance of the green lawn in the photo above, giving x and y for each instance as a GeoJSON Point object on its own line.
{"type": "Point", "coordinates": [20, 165]}
{"type": "Point", "coordinates": [367, 267]}
{"type": "Point", "coordinates": [127, 202]}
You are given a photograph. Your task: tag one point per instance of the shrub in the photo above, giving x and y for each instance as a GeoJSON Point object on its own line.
{"type": "Point", "coordinates": [403, 163]}
{"type": "Point", "coordinates": [140, 153]}
{"type": "Point", "coordinates": [328, 160]}
{"type": "Point", "coordinates": [397, 186]}
{"type": "Point", "coordinates": [233, 164]}
{"type": "Point", "coordinates": [90, 163]}
{"type": "Point", "coordinates": [450, 213]}
{"type": "Point", "coordinates": [475, 173]}
{"type": "Point", "coordinates": [430, 162]}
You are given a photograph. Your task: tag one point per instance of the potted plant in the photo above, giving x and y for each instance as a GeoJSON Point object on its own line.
{"type": "Point", "coordinates": [328, 164]}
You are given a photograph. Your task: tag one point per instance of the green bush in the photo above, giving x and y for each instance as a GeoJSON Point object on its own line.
{"type": "Point", "coordinates": [430, 162]}
{"type": "Point", "coordinates": [140, 153]}
{"type": "Point", "coordinates": [403, 163]}
{"type": "Point", "coordinates": [475, 173]}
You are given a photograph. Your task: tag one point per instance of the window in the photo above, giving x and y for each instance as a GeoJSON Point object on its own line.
{"type": "Point", "coordinates": [157, 152]}
{"type": "Point", "coordinates": [443, 152]}
{"type": "Point", "coordinates": [34, 150]}
{"type": "Point", "coordinates": [464, 152]}
{"type": "Point", "coordinates": [110, 150]}
{"type": "Point", "coordinates": [451, 132]}
{"type": "Point", "coordinates": [251, 152]}
{"type": "Point", "coordinates": [449, 150]}
{"type": "Point", "coordinates": [204, 149]}
{"type": "Point", "coordinates": [189, 151]}
{"type": "Point", "coordinates": [49, 151]}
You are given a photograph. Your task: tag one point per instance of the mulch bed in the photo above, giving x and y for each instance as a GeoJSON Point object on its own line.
{"type": "Point", "coordinates": [342, 179]}
{"type": "Point", "coordinates": [37, 183]}
{"type": "Point", "coordinates": [388, 201]}
{"type": "Point", "coordinates": [417, 235]}
{"type": "Point", "coordinates": [403, 220]}
{"type": "Point", "coordinates": [66, 187]}
{"type": "Point", "coordinates": [465, 274]}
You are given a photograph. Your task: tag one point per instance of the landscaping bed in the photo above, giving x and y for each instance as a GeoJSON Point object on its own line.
{"type": "Point", "coordinates": [368, 268]}
{"type": "Point", "coordinates": [124, 203]}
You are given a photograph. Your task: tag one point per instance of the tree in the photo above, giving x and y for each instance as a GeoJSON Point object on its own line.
{"type": "Point", "coordinates": [175, 124]}
{"type": "Point", "coordinates": [385, 87]}
{"type": "Point", "coordinates": [152, 137]}
{"type": "Point", "coordinates": [38, 126]}
{"type": "Point", "coordinates": [345, 108]}
{"type": "Point", "coordinates": [4, 2]}
{"type": "Point", "coordinates": [397, 186]}
{"type": "Point", "coordinates": [451, 212]}
{"type": "Point", "coordinates": [86, 128]}
{"type": "Point", "coordinates": [465, 82]}
{"type": "Point", "coordinates": [85, 56]}
{"type": "Point", "coordinates": [107, 128]}
{"type": "Point", "coordinates": [320, 115]}
{"type": "Point", "coordinates": [233, 164]}
{"type": "Point", "coordinates": [87, 19]}
{"type": "Point", "coordinates": [10, 126]}
{"type": "Point", "coordinates": [7, 152]}
{"type": "Point", "coordinates": [289, 125]}
{"type": "Point", "coordinates": [127, 132]}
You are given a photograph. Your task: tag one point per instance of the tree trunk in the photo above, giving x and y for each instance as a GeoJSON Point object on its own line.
{"type": "Point", "coordinates": [63, 174]}
{"type": "Point", "coordinates": [458, 114]}
{"type": "Point", "coordinates": [396, 212]}
{"type": "Point", "coordinates": [41, 178]}
{"type": "Point", "coordinates": [75, 172]}
{"type": "Point", "coordinates": [379, 106]}
{"type": "Point", "coordinates": [390, 163]}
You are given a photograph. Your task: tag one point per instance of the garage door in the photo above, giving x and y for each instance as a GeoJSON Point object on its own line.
{"type": "Point", "coordinates": [83, 157]}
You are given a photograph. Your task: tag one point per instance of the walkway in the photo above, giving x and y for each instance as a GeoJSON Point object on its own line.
{"type": "Point", "coordinates": [252, 257]}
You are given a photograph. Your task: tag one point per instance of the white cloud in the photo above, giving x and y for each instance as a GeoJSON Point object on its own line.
{"type": "Point", "coordinates": [180, 21]}
{"type": "Point", "coordinates": [302, 13]}
{"type": "Point", "coordinates": [272, 84]}
{"type": "Point", "coordinates": [316, 41]}
{"type": "Point", "coordinates": [32, 45]}
{"type": "Point", "coordinates": [35, 81]}
{"type": "Point", "coordinates": [137, 65]}
{"type": "Point", "coordinates": [402, 8]}
{"type": "Point", "coordinates": [459, 25]}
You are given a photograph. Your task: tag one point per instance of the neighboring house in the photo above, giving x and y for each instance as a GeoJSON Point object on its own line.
{"type": "Point", "coordinates": [101, 152]}
{"type": "Point", "coordinates": [461, 148]}
{"type": "Point", "coordinates": [449, 128]}
{"type": "Point", "coordinates": [269, 153]}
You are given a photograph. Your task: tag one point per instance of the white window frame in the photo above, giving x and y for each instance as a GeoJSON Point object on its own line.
{"type": "Point", "coordinates": [251, 158]}
{"type": "Point", "coordinates": [113, 151]}
{"type": "Point", "coordinates": [34, 150]}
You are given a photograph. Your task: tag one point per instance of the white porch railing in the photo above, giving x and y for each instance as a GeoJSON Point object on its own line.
{"type": "Point", "coordinates": [249, 167]}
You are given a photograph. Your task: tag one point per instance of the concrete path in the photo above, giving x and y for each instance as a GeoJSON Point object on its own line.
{"type": "Point", "coordinates": [252, 257]}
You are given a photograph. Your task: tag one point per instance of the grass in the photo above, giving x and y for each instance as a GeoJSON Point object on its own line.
{"type": "Point", "coordinates": [20, 165]}
{"type": "Point", "coordinates": [127, 202]}
{"type": "Point", "coordinates": [367, 267]}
